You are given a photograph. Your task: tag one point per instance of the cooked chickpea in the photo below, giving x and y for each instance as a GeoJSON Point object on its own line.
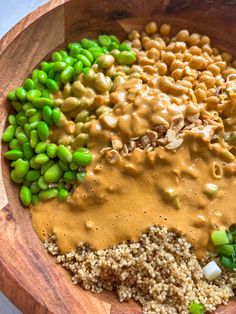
{"type": "Point", "coordinates": [227, 57]}
{"type": "Point", "coordinates": [209, 81]}
{"type": "Point", "coordinates": [234, 64]}
{"type": "Point", "coordinates": [134, 35]}
{"type": "Point", "coordinates": [182, 35]}
{"type": "Point", "coordinates": [228, 71]}
{"type": "Point", "coordinates": [205, 40]}
{"type": "Point", "coordinates": [215, 51]}
{"type": "Point", "coordinates": [152, 44]}
{"type": "Point", "coordinates": [165, 29]}
{"type": "Point", "coordinates": [185, 82]}
{"type": "Point", "coordinates": [202, 86]}
{"type": "Point", "coordinates": [177, 74]}
{"type": "Point", "coordinates": [179, 56]}
{"type": "Point", "coordinates": [168, 57]}
{"type": "Point", "coordinates": [212, 102]}
{"type": "Point", "coordinates": [196, 62]}
{"type": "Point", "coordinates": [187, 57]}
{"type": "Point", "coordinates": [214, 69]}
{"type": "Point", "coordinates": [195, 50]}
{"type": "Point", "coordinates": [200, 94]}
{"type": "Point", "coordinates": [176, 64]}
{"type": "Point", "coordinates": [136, 43]}
{"type": "Point", "coordinates": [194, 39]}
{"type": "Point", "coordinates": [162, 68]}
{"type": "Point", "coordinates": [146, 61]}
{"type": "Point", "coordinates": [151, 28]}
{"type": "Point", "coordinates": [179, 47]}
{"type": "Point", "coordinates": [153, 53]}
{"type": "Point", "coordinates": [206, 48]}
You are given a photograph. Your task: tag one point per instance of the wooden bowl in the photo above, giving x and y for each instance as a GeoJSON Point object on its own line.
{"type": "Point", "coordinates": [28, 275]}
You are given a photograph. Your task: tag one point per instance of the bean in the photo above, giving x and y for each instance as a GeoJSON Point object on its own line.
{"type": "Point", "coordinates": [69, 176]}
{"type": "Point", "coordinates": [35, 74]}
{"type": "Point", "coordinates": [42, 183]}
{"type": "Point", "coordinates": [30, 112]}
{"type": "Point", "coordinates": [14, 178]}
{"type": "Point", "coordinates": [41, 158]}
{"type": "Point", "coordinates": [81, 117]}
{"type": "Point", "coordinates": [14, 144]}
{"type": "Point", "coordinates": [48, 194]}
{"type": "Point", "coordinates": [27, 183]}
{"type": "Point", "coordinates": [84, 60]}
{"type": "Point", "coordinates": [12, 95]}
{"type": "Point", "coordinates": [25, 195]}
{"type": "Point", "coordinates": [105, 61]}
{"type": "Point", "coordinates": [47, 94]}
{"type": "Point", "coordinates": [70, 103]}
{"type": "Point", "coordinates": [124, 47]}
{"type": "Point", "coordinates": [59, 66]}
{"type": "Point", "coordinates": [43, 131]}
{"type": "Point", "coordinates": [33, 175]}
{"type": "Point", "coordinates": [8, 134]}
{"type": "Point", "coordinates": [39, 103]}
{"type": "Point", "coordinates": [52, 85]}
{"type": "Point", "coordinates": [51, 74]}
{"type": "Point", "coordinates": [46, 66]}
{"type": "Point", "coordinates": [22, 138]}
{"type": "Point", "coordinates": [126, 57]}
{"type": "Point", "coordinates": [33, 164]}
{"type": "Point", "coordinates": [21, 167]}
{"type": "Point", "coordinates": [73, 166]}
{"type": "Point", "coordinates": [34, 187]}
{"type": "Point", "coordinates": [75, 51]}
{"type": "Point", "coordinates": [27, 106]}
{"type": "Point", "coordinates": [114, 39]}
{"type": "Point", "coordinates": [87, 43]}
{"type": "Point", "coordinates": [53, 174]}
{"type": "Point", "coordinates": [21, 93]}
{"type": "Point", "coordinates": [12, 119]}
{"type": "Point", "coordinates": [67, 74]}
{"type": "Point", "coordinates": [80, 140]}
{"type": "Point", "coordinates": [36, 117]}
{"type": "Point", "coordinates": [34, 138]}
{"type": "Point", "coordinates": [47, 115]}
{"type": "Point", "coordinates": [13, 154]}
{"type": "Point", "coordinates": [89, 74]}
{"type": "Point", "coordinates": [28, 84]}
{"type": "Point", "coordinates": [56, 115]}
{"type": "Point", "coordinates": [52, 150]}
{"type": "Point", "coordinates": [73, 45]}
{"type": "Point", "coordinates": [67, 90]}
{"type": "Point", "coordinates": [21, 119]}
{"type": "Point", "coordinates": [64, 154]}
{"type": "Point", "coordinates": [78, 89]}
{"type": "Point", "coordinates": [33, 93]}
{"type": "Point", "coordinates": [88, 55]}
{"type": "Point", "coordinates": [56, 56]}
{"type": "Point", "coordinates": [39, 86]}
{"type": "Point", "coordinates": [46, 166]}
{"type": "Point", "coordinates": [113, 46]}
{"type": "Point", "coordinates": [18, 130]}
{"type": "Point", "coordinates": [78, 68]}
{"type": "Point", "coordinates": [63, 194]}
{"type": "Point", "coordinates": [28, 151]}
{"type": "Point", "coordinates": [35, 199]}
{"type": "Point", "coordinates": [101, 83]}
{"type": "Point", "coordinates": [69, 60]}
{"type": "Point", "coordinates": [80, 176]}
{"type": "Point", "coordinates": [41, 147]}
{"type": "Point", "coordinates": [96, 52]}
{"type": "Point", "coordinates": [64, 166]}
{"type": "Point", "coordinates": [17, 106]}
{"type": "Point", "coordinates": [82, 158]}
{"type": "Point", "coordinates": [42, 77]}
{"type": "Point", "coordinates": [104, 40]}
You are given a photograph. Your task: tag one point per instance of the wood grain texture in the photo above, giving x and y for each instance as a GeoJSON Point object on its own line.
{"type": "Point", "coordinates": [28, 275]}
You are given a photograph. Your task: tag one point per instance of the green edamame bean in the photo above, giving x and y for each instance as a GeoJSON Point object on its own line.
{"type": "Point", "coordinates": [33, 175]}
{"type": "Point", "coordinates": [52, 85]}
{"type": "Point", "coordinates": [30, 112]}
{"type": "Point", "coordinates": [27, 183]}
{"type": "Point", "coordinates": [56, 115]}
{"type": "Point", "coordinates": [12, 119]}
{"type": "Point", "coordinates": [124, 47]}
{"type": "Point", "coordinates": [53, 174]}
{"type": "Point", "coordinates": [113, 46]}
{"type": "Point", "coordinates": [88, 55]}
{"type": "Point", "coordinates": [14, 178]}
{"type": "Point", "coordinates": [96, 52]}
{"type": "Point", "coordinates": [52, 150]}
{"type": "Point", "coordinates": [114, 39]}
{"type": "Point", "coordinates": [46, 66]}
{"type": "Point", "coordinates": [12, 95]}
{"type": "Point", "coordinates": [35, 74]}
{"type": "Point", "coordinates": [34, 164]}
{"type": "Point", "coordinates": [42, 183]}
{"type": "Point", "coordinates": [67, 74]}
{"type": "Point", "coordinates": [39, 86]}
{"type": "Point", "coordinates": [33, 125]}
{"type": "Point", "coordinates": [51, 74]}
{"type": "Point", "coordinates": [64, 166]}
{"type": "Point", "coordinates": [56, 56]}
{"type": "Point", "coordinates": [8, 134]}
{"type": "Point", "coordinates": [14, 144]}
{"type": "Point", "coordinates": [59, 66]}
{"type": "Point", "coordinates": [17, 106]}
{"type": "Point", "coordinates": [126, 57]}
{"type": "Point", "coordinates": [21, 93]}
{"type": "Point", "coordinates": [84, 60]}
{"type": "Point", "coordinates": [47, 94]}
{"type": "Point", "coordinates": [13, 154]}
{"type": "Point", "coordinates": [21, 168]}
{"type": "Point", "coordinates": [75, 51]}
{"type": "Point", "coordinates": [41, 147]}
{"type": "Point", "coordinates": [42, 77]}
{"type": "Point", "coordinates": [104, 40]}
{"type": "Point", "coordinates": [39, 103]}
{"type": "Point", "coordinates": [25, 195]}
{"type": "Point", "coordinates": [33, 93]}
{"type": "Point", "coordinates": [22, 138]}
{"type": "Point", "coordinates": [69, 60]}
{"type": "Point", "coordinates": [69, 176]}
{"type": "Point", "coordinates": [48, 194]}
{"type": "Point", "coordinates": [63, 53]}
{"type": "Point", "coordinates": [34, 187]}
{"type": "Point", "coordinates": [35, 199]}
{"type": "Point", "coordinates": [46, 166]}
{"type": "Point", "coordinates": [43, 131]}
{"type": "Point", "coordinates": [80, 176]}
{"type": "Point", "coordinates": [78, 68]}
{"type": "Point", "coordinates": [87, 43]}
{"type": "Point", "coordinates": [27, 129]}
{"type": "Point", "coordinates": [34, 138]}
{"type": "Point", "coordinates": [36, 117]}
{"type": "Point", "coordinates": [63, 194]}
{"type": "Point", "coordinates": [18, 130]}
{"type": "Point", "coordinates": [28, 84]}
{"type": "Point", "coordinates": [73, 166]}
{"type": "Point", "coordinates": [28, 151]}
{"type": "Point", "coordinates": [21, 119]}
{"type": "Point", "coordinates": [41, 158]}
{"type": "Point", "coordinates": [64, 154]}
{"type": "Point", "coordinates": [27, 106]}
{"type": "Point", "coordinates": [73, 45]}
{"type": "Point", "coordinates": [82, 158]}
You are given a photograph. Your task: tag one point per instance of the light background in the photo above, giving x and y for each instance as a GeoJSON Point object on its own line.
{"type": "Point", "coordinates": [11, 12]}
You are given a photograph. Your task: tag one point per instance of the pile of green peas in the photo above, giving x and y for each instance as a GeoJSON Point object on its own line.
{"type": "Point", "coordinates": [44, 169]}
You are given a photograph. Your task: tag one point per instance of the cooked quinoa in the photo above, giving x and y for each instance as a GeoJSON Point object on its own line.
{"type": "Point", "coordinates": [160, 271]}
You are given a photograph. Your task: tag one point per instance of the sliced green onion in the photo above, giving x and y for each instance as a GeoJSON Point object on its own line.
{"type": "Point", "coordinates": [219, 237]}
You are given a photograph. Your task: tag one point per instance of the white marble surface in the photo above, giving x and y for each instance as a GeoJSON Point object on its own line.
{"type": "Point", "coordinates": [11, 12]}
